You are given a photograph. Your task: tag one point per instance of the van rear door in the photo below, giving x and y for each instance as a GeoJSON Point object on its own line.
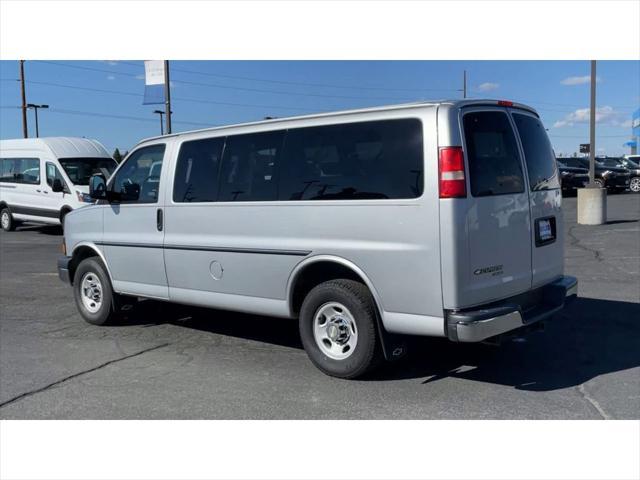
{"type": "Point", "coordinates": [547, 252]}
{"type": "Point", "coordinates": [498, 216]}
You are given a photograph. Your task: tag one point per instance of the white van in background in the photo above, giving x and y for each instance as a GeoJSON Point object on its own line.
{"type": "Point", "coordinates": [43, 179]}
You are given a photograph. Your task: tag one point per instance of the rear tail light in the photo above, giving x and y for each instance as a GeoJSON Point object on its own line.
{"type": "Point", "coordinates": [505, 103]}
{"type": "Point", "coordinates": [451, 173]}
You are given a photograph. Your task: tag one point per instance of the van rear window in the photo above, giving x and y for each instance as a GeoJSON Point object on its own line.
{"type": "Point", "coordinates": [538, 153]}
{"type": "Point", "coordinates": [492, 152]}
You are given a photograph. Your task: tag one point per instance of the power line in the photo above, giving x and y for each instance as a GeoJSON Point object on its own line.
{"type": "Point", "coordinates": [182, 99]}
{"type": "Point", "coordinates": [303, 84]}
{"type": "Point", "coordinates": [108, 115]}
{"type": "Point", "coordinates": [229, 87]}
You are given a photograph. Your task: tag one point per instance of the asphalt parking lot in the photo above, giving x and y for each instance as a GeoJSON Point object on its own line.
{"type": "Point", "coordinates": [174, 362]}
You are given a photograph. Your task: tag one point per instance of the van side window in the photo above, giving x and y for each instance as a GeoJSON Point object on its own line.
{"type": "Point", "coordinates": [365, 160]}
{"type": "Point", "coordinates": [140, 174]}
{"type": "Point", "coordinates": [20, 170]}
{"type": "Point", "coordinates": [52, 174]}
{"type": "Point", "coordinates": [492, 152]}
{"type": "Point", "coordinates": [249, 167]}
{"type": "Point", "coordinates": [196, 178]}
{"type": "Point", "coordinates": [538, 153]}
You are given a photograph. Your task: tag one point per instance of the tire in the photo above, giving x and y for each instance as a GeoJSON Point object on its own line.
{"type": "Point", "coordinates": [332, 311]}
{"type": "Point", "coordinates": [63, 214]}
{"type": "Point", "coordinates": [599, 182]}
{"type": "Point", "coordinates": [6, 220]}
{"type": "Point", "coordinates": [634, 185]}
{"type": "Point", "coordinates": [98, 306]}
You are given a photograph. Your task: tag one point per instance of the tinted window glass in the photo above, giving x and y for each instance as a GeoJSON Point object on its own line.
{"type": "Point", "coordinates": [367, 160]}
{"type": "Point", "coordinates": [494, 163]}
{"type": "Point", "coordinates": [249, 167]}
{"type": "Point", "coordinates": [20, 170]}
{"type": "Point", "coordinates": [140, 175]}
{"type": "Point", "coordinates": [538, 153]}
{"type": "Point", "coordinates": [197, 170]}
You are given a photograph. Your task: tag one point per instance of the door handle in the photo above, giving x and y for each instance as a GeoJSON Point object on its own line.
{"type": "Point", "coordinates": [159, 221]}
{"type": "Point", "coordinates": [38, 190]}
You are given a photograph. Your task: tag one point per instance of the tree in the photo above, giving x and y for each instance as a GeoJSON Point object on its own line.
{"type": "Point", "coordinates": [117, 156]}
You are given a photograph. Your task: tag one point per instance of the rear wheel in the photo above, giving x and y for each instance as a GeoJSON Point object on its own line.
{"type": "Point", "coordinates": [599, 182]}
{"type": "Point", "coordinates": [634, 185]}
{"type": "Point", "coordinates": [6, 220]}
{"type": "Point", "coordinates": [338, 328]}
{"type": "Point", "coordinates": [93, 293]}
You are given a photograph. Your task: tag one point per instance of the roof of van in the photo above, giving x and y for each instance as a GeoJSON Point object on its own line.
{"type": "Point", "coordinates": [452, 103]}
{"type": "Point", "coordinates": [61, 147]}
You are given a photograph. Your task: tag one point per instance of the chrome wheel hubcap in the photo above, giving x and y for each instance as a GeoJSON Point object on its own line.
{"type": "Point", "coordinates": [91, 292]}
{"type": "Point", "coordinates": [635, 184]}
{"type": "Point", "coordinates": [5, 220]}
{"type": "Point", "coordinates": [334, 330]}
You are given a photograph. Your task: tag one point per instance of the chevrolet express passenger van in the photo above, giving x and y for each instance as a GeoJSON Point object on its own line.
{"type": "Point", "coordinates": [43, 179]}
{"type": "Point", "coordinates": [441, 219]}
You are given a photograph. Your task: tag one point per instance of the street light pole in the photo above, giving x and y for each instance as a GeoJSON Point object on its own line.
{"type": "Point", "coordinates": [160, 112]}
{"type": "Point", "coordinates": [25, 131]}
{"type": "Point", "coordinates": [167, 95]}
{"type": "Point", "coordinates": [592, 126]}
{"type": "Point", "coordinates": [35, 108]}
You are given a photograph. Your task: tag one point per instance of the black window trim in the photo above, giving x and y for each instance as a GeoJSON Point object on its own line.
{"type": "Point", "coordinates": [478, 108]}
{"type": "Point", "coordinates": [277, 201]}
{"type": "Point", "coordinates": [46, 178]}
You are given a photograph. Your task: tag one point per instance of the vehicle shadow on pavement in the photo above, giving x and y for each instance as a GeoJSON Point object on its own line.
{"type": "Point", "coordinates": [53, 230]}
{"type": "Point", "coordinates": [589, 338]}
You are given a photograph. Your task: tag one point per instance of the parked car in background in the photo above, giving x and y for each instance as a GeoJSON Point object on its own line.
{"type": "Point", "coordinates": [632, 163]}
{"type": "Point", "coordinates": [43, 179]}
{"type": "Point", "coordinates": [613, 178]}
{"type": "Point", "coordinates": [571, 178]}
{"type": "Point", "coordinates": [437, 219]}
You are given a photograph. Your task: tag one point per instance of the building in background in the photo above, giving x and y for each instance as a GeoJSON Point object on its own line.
{"type": "Point", "coordinates": [634, 143]}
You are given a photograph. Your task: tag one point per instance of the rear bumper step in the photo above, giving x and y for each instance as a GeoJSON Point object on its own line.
{"type": "Point", "coordinates": [510, 314]}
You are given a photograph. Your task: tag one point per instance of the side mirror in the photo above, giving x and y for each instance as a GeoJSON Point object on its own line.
{"type": "Point", "coordinates": [97, 187]}
{"type": "Point", "coordinates": [57, 186]}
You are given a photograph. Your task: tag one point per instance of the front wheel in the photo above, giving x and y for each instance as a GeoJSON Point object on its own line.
{"type": "Point", "coordinates": [338, 328]}
{"type": "Point", "coordinates": [93, 293]}
{"type": "Point", "coordinates": [6, 220]}
{"type": "Point", "coordinates": [599, 182]}
{"type": "Point", "coordinates": [634, 185]}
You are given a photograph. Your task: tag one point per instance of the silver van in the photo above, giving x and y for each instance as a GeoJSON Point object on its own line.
{"type": "Point", "coordinates": [440, 219]}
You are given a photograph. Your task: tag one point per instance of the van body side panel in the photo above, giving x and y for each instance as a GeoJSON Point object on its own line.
{"type": "Point", "coordinates": [250, 249]}
{"type": "Point", "coordinates": [547, 260]}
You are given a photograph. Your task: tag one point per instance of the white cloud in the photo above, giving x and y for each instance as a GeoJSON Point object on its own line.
{"type": "Point", "coordinates": [488, 86]}
{"type": "Point", "coordinates": [604, 115]}
{"type": "Point", "coordinates": [578, 80]}
{"type": "Point", "coordinates": [111, 62]}
{"type": "Point", "coordinates": [140, 76]}
{"type": "Point", "coordinates": [111, 77]}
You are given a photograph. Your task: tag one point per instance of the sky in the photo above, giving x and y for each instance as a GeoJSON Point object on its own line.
{"type": "Point", "coordinates": [103, 99]}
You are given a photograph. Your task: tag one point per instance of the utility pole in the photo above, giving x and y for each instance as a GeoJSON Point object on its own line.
{"type": "Point", "coordinates": [592, 126]}
{"type": "Point", "coordinates": [167, 95]}
{"type": "Point", "coordinates": [592, 201]}
{"type": "Point", "coordinates": [35, 108]}
{"type": "Point", "coordinates": [464, 84]}
{"type": "Point", "coordinates": [25, 132]}
{"type": "Point", "coordinates": [160, 112]}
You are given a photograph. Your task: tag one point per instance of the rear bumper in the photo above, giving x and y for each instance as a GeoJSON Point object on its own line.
{"type": "Point", "coordinates": [63, 269]}
{"type": "Point", "coordinates": [512, 313]}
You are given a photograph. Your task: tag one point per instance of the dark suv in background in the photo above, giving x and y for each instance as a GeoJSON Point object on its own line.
{"type": "Point", "coordinates": [610, 172]}
{"type": "Point", "coordinates": [571, 178]}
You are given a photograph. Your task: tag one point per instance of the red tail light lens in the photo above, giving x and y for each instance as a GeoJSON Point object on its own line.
{"type": "Point", "coordinates": [505, 103]}
{"type": "Point", "coordinates": [451, 173]}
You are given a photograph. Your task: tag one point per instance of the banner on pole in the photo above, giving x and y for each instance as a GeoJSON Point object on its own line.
{"type": "Point", "coordinates": [153, 82]}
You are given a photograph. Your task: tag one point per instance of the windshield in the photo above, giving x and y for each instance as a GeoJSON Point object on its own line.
{"type": "Point", "coordinates": [573, 162]}
{"type": "Point", "coordinates": [610, 162]}
{"type": "Point", "coordinates": [79, 170]}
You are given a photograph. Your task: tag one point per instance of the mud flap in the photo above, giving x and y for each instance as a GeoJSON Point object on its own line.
{"type": "Point", "coordinates": [394, 347]}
